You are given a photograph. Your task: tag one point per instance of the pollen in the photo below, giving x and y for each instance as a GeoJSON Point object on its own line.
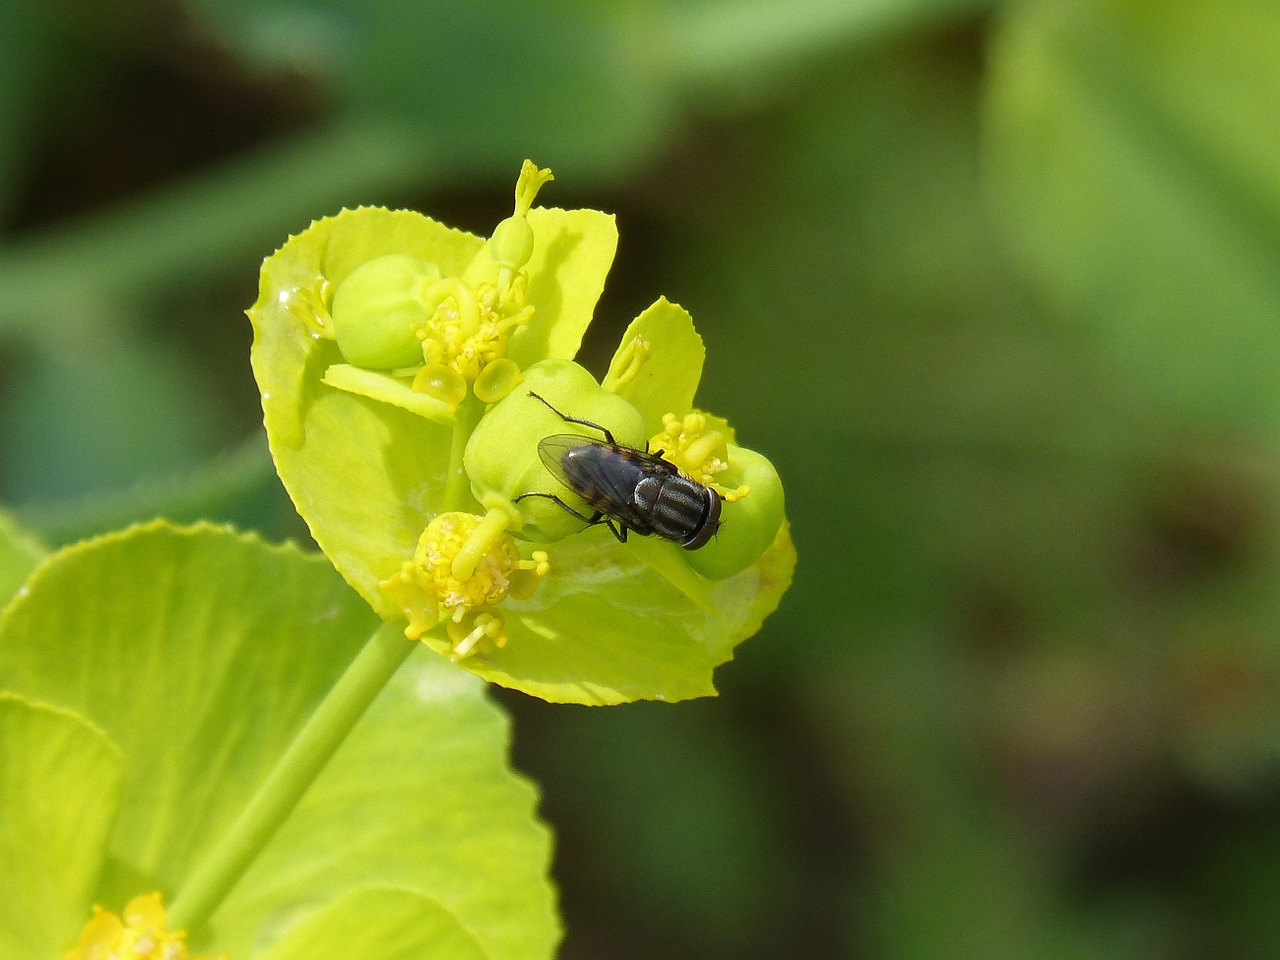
{"type": "Point", "coordinates": [699, 450]}
{"type": "Point", "coordinates": [139, 933]}
{"type": "Point", "coordinates": [470, 327]}
{"type": "Point", "coordinates": [464, 566]}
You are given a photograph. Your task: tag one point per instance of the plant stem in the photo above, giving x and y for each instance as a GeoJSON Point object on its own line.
{"type": "Point", "coordinates": [457, 491]}
{"type": "Point", "coordinates": [291, 777]}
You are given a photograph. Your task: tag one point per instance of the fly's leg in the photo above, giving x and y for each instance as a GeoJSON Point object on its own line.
{"type": "Point", "coordinates": [619, 531]}
{"type": "Point", "coordinates": [592, 520]}
{"type": "Point", "coordinates": [585, 423]}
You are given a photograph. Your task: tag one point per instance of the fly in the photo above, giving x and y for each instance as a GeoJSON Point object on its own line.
{"type": "Point", "coordinates": [629, 489]}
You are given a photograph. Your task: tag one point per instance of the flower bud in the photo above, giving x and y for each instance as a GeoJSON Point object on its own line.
{"type": "Point", "coordinates": [379, 308]}
{"type": "Point", "coordinates": [749, 524]}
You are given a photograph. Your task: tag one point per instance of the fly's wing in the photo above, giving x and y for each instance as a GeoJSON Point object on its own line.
{"type": "Point", "coordinates": [602, 474]}
{"type": "Point", "coordinates": [552, 450]}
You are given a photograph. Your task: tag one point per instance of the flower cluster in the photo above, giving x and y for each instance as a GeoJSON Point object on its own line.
{"type": "Point", "coordinates": [397, 359]}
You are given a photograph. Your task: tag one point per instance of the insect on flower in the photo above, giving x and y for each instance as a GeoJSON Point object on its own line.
{"type": "Point", "coordinates": [629, 489]}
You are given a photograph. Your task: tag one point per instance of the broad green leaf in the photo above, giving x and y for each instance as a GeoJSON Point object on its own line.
{"type": "Point", "coordinates": [572, 257]}
{"type": "Point", "coordinates": [59, 787]}
{"type": "Point", "coordinates": [419, 796]}
{"type": "Point", "coordinates": [382, 922]}
{"type": "Point", "coordinates": [1132, 151]}
{"type": "Point", "coordinates": [19, 553]}
{"type": "Point", "coordinates": [201, 652]}
{"type": "Point", "coordinates": [361, 473]}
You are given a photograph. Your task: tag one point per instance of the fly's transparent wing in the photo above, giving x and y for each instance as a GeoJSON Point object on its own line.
{"type": "Point", "coordinates": [603, 474]}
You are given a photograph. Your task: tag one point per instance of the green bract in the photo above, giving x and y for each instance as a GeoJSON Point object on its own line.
{"type": "Point", "coordinates": [396, 401]}
{"type": "Point", "coordinates": [138, 718]}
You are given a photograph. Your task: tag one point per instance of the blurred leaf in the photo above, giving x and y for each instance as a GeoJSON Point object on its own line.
{"type": "Point", "coordinates": [19, 554]}
{"type": "Point", "coordinates": [483, 84]}
{"type": "Point", "coordinates": [931, 429]}
{"type": "Point", "coordinates": [683, 821]}
{"type": "Point", "coordinates": [98, 416]}
{"type": "Point", "coordinates": [1133, 153]}
{"type": "Point", "coordinates": [26, 53]}
{"type": "Point", "coordinates": [585, 86]}
{"type": "Point", "coordinates": [739, 47]}
{"type": "Point", "coordinates": [238, 487]}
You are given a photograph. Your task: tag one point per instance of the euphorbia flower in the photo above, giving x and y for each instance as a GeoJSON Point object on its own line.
{"type": "Point", "coordinates": [440, 335]}
{"type": "Point", "coordinates": [395, 358]}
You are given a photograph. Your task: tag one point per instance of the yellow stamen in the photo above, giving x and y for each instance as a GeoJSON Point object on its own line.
{"type": "Point", "coordinates": [311, 306]}
{"type": "Point", "coordinates": [463, 568]}
{"type": "Point", "coordinates": [626, 364]}
{"type": "Point", "coordinates": [469, 327]}
{"type": "Point", "coordinates": [138, 934]}
{"type": "Point", "coordinates": [699, 450]}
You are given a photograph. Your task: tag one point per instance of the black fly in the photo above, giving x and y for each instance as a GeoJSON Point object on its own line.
{"type": "Point", "coordinates": [629, 489]}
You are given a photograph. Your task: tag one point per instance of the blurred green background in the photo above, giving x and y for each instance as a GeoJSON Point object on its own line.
{"type": "Point", "coordinates": [997, 287]}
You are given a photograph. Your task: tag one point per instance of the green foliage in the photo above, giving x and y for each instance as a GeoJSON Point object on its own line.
{"type": "Point", "coordinates": [193, 656]}
{"type": "Point", "coordinates": [60, 781]}
{"type": "Point", "coordinates": [1130, 151]}
{"type": "Point", "coordinates": [993, 285]}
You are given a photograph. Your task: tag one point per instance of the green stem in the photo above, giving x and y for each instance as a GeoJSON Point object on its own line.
{"type": "Point", "coordinates": [291, 777]}
{"type": "Point", "coordinates": [457, 491]}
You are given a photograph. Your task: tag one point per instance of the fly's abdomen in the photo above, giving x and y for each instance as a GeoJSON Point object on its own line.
{"type": "Point", "coordinates": [675, 506]}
